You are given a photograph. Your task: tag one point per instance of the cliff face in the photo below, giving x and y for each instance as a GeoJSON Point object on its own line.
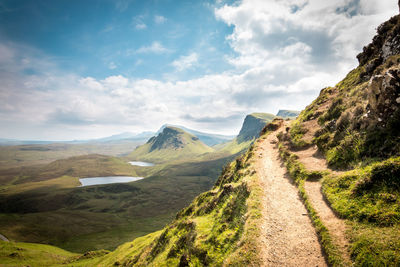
{"type": "Point", "coordinates": [252, 126]}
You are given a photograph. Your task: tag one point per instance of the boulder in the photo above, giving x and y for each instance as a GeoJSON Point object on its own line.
{"type": "Point", "coordinates": [383, 92]}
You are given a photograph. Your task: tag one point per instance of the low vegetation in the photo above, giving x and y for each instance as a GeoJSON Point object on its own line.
{"type": "Point", "coordinates": [208, 231]}
{"type": "Point", "coordinates": [57, 212]}
{"type": "Point", "coordinates": [369, 198]}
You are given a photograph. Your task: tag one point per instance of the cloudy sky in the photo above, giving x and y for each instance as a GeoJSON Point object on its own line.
{"type": "Point", "coordinates": [74, 69]}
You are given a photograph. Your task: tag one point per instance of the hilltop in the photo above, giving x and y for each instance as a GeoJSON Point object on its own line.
{"type": "Point", "coordinates": [207, 138]}
{"type": "Point", "coordinates": [171, 144]}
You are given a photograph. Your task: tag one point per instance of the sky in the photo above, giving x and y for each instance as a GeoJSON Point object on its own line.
{"type": "Point", "coordinates": [74, 69]}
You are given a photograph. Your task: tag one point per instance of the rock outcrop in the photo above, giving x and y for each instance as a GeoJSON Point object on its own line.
{"type": "Point", "coordinates": [384, 45]}
{"type": "Point", "coordinates": [384, 94]}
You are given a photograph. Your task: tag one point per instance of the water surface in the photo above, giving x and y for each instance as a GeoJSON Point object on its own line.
{"type": "Point", "coordinates": [108, 180]}
{"type": "Point", "coordinates": [141, 163]}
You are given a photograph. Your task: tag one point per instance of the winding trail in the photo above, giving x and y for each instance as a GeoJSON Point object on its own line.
{"type": "Point", "coordinates": [288, 236]}
{"type": "Point", "coordinates": [314, 161]}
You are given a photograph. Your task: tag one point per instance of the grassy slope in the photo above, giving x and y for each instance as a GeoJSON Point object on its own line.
{"type": "Point", "coordinates": [218, 227]}
{"type": "Point", "coordinates": [28, 254]}
{"type": "Point", "coordinates": [28, 155]}
{"type": "Point", "coordinates": [367, 196]}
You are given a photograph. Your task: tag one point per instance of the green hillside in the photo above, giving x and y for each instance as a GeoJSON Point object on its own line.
{"type": "Point", "coordinates": [171, 144]}
{"type": "Point", "coordinates": [355, 126]}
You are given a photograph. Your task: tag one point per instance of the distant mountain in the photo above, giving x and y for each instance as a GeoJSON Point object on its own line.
{"type": "Point", "coordinates": [127, 136]}
{"type": "Point", "coordinates": [291, 114]}
{"type": "Point", "coordinates": [252, 126]}
{"type": "Point", "coordinates": [170, 144]}
{"type": "Point", "coordinates": [124, 136]}
{"type": "Point", "coordinates": [15, 142]}
{"type": "Point", "coordinates": [207, 138]}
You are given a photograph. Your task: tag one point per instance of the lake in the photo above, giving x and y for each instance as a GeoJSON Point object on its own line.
{"type": "Point", "coordinates": [141, 163]}
{"type": "Point", "coordinates": [108, 180]}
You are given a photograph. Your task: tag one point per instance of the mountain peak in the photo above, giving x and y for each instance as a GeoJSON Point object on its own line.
{"type": "Point", "coordinates": [170, 144]}
{"type": "Point", "coordinates": [171, 137]}
{"type": "Point", "coordinates": [209, 139]}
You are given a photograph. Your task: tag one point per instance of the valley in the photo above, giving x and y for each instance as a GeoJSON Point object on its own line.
{"type": "Point", "coordinates": [45, 203]}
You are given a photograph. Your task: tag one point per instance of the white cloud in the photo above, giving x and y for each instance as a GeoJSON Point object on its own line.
{"type": "Point", "coordinates": [185, 62]}
{"type": "Point", "coordinates": [91, 83]}
{"type": "Point", "coordinates": [155, 47]}
{"type": "Point", "coordinates": [159, 19]}
{"type": "Point", "coordinates": [286, 51]}
{"type": "Point", "coordinates": [115, 81]}
{"type": "Point", "coordinates": [140, 26]}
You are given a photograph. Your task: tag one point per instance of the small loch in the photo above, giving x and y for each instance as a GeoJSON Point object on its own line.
{"type": "Point", "coordinates": [108, 180]}
{"type": "Point", "coordinates": [141, 163]}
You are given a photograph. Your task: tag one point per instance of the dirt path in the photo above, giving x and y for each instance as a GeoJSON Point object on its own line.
{"type": "Point", "coordinates": [336, 226]}
{"type": "Point", "coordinates": [314, 160]}
{"type": "Point", "coordinates": [288, 237]}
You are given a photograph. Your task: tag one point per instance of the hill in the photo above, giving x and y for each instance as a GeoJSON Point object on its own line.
{"type": "Point", "coordinates": [171, 144]}
{"type": "Point", "coordinates": [207, 138]}
{"type": "Point", "coordinates": [252, 126]}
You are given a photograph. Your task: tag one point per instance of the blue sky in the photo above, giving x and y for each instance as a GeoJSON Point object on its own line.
{"type": "Point", "coordinates": [132, 38]}
{"type": "Point", "coordinates": [82, 69]}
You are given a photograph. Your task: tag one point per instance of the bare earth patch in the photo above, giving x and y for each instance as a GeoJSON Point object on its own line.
{"type": "Point", "coordinates": [288, 236]}
{"type": "Point", "coordinates": [313, 160]}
